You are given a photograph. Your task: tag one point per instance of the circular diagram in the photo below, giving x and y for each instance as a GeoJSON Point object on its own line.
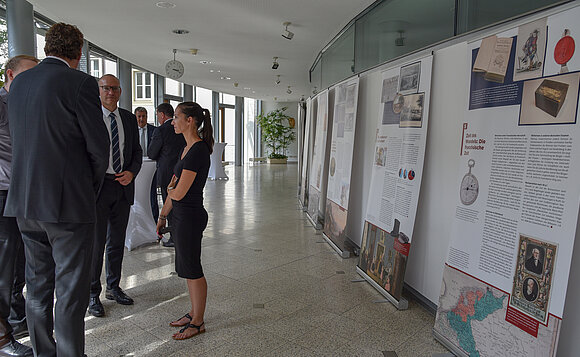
{"type": "Point", "coordinates": [469, 189]}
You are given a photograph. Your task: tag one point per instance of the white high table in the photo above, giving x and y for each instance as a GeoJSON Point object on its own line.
{"type": "Point", "coordinates": [141, 227]}
{"type": "Point", "coordinates": [216, 169]}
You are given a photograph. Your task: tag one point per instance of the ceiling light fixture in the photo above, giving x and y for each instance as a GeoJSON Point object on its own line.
{"type": "Point", "coordinates": [247, 88]}
{"type": "Point", "coordinates": [287, 34]}
{"type": "Point", "coordinates": [236, 84]}
{"type": "Point", "coordinates": [289, 91]}
{"type": "Point", "coordinates": [193, 51]}
{"type": "Point", "coordinates": [275, 65]}
{"type": "Point", "coordinates": [165, 5]}
{"type": "Point", "coordinates": [277, 81]}
{"type": "Point", "coordinates": [180, 31]}
{"type": "Point", "coordinates": [205, 62]}
{"type": "Point", "coordinates": [225, 78]}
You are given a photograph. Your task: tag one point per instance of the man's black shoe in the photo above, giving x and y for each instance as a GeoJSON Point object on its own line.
{"type": "Point", "coordinates": [20, 330]}
{"type": "Point", "coordinates": [15, 349]}
{"type": "Point", "coordinates": [96, 308]}
{"type": "Point", "coordinates": [169, 243]}
{"type": "Point", "coordinates": [119, 296]}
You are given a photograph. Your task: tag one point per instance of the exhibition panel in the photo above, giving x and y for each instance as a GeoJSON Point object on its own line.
{"type": "Point", "coordinates": [516, 208]}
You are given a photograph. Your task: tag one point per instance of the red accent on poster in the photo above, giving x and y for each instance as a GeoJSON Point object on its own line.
{"type": "Point", "coordinates": [402, 248]}
{"type": "Point", "coordinates": [522, 321]}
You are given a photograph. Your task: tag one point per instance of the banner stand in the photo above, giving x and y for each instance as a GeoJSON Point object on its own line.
{"type": "Point", "coordinates": [345, 254]}
{"type": "Point", "coordinates": [402, 304]}
{"type": "Point", "coordinates": [450, 346]}
{"type": "Point", "coordinates": [316, 225]}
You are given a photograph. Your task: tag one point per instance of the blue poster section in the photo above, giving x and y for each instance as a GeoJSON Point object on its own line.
{"type": "Point", "coordinates": [488, 94]}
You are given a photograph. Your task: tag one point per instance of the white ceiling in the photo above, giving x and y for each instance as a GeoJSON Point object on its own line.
{"type": "Point", "coordinates": [239, 37]}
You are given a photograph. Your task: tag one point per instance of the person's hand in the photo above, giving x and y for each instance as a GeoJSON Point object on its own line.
{"type": "Point", "coordinates": [124, 177]}
{"type": "Point", "coordinates": [160, 224]}
{"type": "Point", "coordinates": [171, 185]}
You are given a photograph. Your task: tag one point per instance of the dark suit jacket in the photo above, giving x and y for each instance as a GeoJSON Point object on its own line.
{"type": "Point", "coordinates": [60, 144]}
{"type": "Point", "coordinates": [132, 152]}
{"type": "Point", "coordinates": [150, 130]}
{"type": "Point", "coordinates": [165, 147]}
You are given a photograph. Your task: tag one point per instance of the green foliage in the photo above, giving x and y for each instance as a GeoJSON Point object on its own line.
{"type": "Point", "coordinates": [3, 48]}
{"type": "Point", "coordinates": [276, 132]}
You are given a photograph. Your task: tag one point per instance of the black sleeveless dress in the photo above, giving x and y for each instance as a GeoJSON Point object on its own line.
{"type": "Point", "coordinates": [189, 215]}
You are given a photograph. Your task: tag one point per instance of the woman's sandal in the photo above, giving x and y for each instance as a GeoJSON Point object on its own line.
{"type": "Point", "coordinates": [177, 324]}
{"type": "Point", "coordinates": [190, 325]}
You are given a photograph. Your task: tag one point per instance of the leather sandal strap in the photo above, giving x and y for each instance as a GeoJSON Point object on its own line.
{"type": "Point", "coordinates": [190, 325]}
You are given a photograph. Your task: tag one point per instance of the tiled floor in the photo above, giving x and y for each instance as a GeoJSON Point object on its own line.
{"type": "Point", "coordinates": [275, 287]}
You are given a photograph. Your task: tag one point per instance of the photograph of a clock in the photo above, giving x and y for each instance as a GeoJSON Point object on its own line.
{"type": "Point", "coordinates": [174, 69]}
{"type": "Point", "coordinates": [469, 189]}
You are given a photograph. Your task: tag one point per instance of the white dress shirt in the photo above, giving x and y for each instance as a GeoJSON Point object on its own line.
{"type": "Point", "coordinates": [107, 121]}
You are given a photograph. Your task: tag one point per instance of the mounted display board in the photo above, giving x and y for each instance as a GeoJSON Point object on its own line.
{"type": "Point", "coordinates": [396, 177]}
{"type": "Point", "coordinates": [340, 166]}
{"type": "Point", "coordinates": [315, 179]}
{"type": "Point", "coordinates": [303, 196]}
{"type": "Point", "coordinates": [506, 276]}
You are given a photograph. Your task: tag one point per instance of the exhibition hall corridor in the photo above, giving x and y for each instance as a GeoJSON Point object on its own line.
{"type": "Point", "coordinates": [275, 287]}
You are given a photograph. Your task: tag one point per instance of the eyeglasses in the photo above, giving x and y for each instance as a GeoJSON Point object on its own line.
{"type": "Point", "coordinates": [110, 88]}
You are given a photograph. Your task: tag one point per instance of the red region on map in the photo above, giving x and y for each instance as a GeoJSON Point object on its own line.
{"type": "Point", "coordinates": [466, 305]}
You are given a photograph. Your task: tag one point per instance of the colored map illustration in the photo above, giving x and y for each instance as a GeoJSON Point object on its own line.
{"type": "Point", "coordinates": [471, 316]}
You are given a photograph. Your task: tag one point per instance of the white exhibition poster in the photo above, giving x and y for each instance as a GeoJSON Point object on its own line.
{"type": "Point", "coordinates": [505, 281]}
{"type": "Point", "coordinates": [318, 155]}
{"type": "Point", "coordinates": [306, 152]}
{"type": "Point", "coordinates": [340, 166]}
{"type": "Point", "coordinates": [396, 174]}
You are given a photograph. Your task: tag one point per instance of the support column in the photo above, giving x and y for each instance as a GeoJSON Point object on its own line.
{"type": "Point", "coordinates": [187, 93]}
{"type": "Point", "coordinates": [159, 83]}
{"type": "Point", "coordinates": [215, 110]}
{"type": "Point", "coordinates": [239, 131]}
{"type": "Point", "coordinates": [20, 25]}
{"type": "Point", "coordinates": [126, 100]}
{"type": "Point", "coordinates": [258, 132]}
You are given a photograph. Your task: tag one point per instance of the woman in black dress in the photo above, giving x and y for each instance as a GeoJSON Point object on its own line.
{"type": "Point", "coordinates": [185, 199]}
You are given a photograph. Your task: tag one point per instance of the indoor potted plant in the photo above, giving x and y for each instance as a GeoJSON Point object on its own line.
{"type": "Point", "coordinates": [277, 134]}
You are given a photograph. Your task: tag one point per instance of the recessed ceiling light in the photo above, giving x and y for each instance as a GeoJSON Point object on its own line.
{"type": "Point", "coordinates": [247, 88]}
{"type": "Point", "coordinates": [204, 62]}
{"type": "Point", "coordinates": [165, 5]}
{"type": "Point", "coordinates": [180, 31]}
{"type": "Point", "coordinates": [225, 78]}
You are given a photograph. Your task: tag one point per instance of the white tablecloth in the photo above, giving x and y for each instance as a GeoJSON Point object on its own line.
{"type": "Point", "coordinates": [141, 227]}
{"type": "Point", "coordinates": [216, 169]}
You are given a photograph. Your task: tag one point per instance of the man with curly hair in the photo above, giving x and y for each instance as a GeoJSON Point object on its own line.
{"type": "Point", "coordinates": [59, 157]}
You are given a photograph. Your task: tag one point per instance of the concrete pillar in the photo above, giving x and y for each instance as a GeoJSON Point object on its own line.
{"type": "Point", "coordinates": [239, 131]}
{"type": "Point", "coordinates": [187, 93]}
{"type": "Point", "coordinates": [215, 110]}
{"type": "Point", "coordinates": [126, 100]}
{"type": "Point", "coordinates": [20, 25]}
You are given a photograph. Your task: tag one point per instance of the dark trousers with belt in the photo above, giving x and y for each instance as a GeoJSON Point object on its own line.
{"type": "Point", "coordinates": [112, 218]}
{"type": "Point", "coordinates": [58, 258]}
{"type": "Point", "coordinates": [10, 244]}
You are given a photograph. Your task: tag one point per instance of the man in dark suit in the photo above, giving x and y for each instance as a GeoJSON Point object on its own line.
{"type": "Point", "coordinates": [534, 263]}
{"type": "Point", "coordinates": [59, 157]}
{"type": "Point", "coordinates": [165, 147]}
{"type": "Point", "coordinates": [116, 196]}
{"type": "Point", "coordinates": [12, 261]}
{"type": "Point", "coordinates": [145, 133]}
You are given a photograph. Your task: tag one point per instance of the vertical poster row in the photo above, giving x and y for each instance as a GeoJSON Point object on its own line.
{"type": "Point", "coordinates": [505, 280]}
{"type": "Point", "coordinates": [396, 177]}
{"type": "Point", "coordinates": [303, 195]}
{"type": "Point", "coordinates": [316, 174]}
{"type": "Point", "coordinates": [340, 165]}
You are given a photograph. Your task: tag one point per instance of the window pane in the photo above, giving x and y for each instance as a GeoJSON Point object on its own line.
{"type": "Point", "coordinates": [172, 87]}
{"type": "Point", "coordinates": [473, 14]}
{"type": "Point", "coordinates": [148, 79]}
{"type": "Point", "coordinates": [139, 92]}
{"type": "Point", "coordinates": [148, 92]}
{"type": "Point", "coordinates": [139, 78]}
{"type": "Point", "coordinates": [338, 59]}
{"type": "Point", "coordinates": [203, 98]}
{"type": "Point", "coordinates": [394, 28]}
{"type": "Point", "coordinates": [227, 99]}
{"type": "Point", "coordinates": [110, 67]}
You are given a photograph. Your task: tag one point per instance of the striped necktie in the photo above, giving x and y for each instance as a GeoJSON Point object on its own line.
{"type": "Point", "coordinates": [115, 142]}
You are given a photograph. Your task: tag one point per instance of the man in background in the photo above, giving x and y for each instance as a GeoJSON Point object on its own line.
{"type": "Point", "coordinates": [53, 190]}
{"type": "Point", "coordinates": [145, 132]}
{"type": "Point", "coordinates": [165, 147]}
{"type": "Point", "coordinates": [116, 196]}
{"type": "Point", "coordinates": [12, 260]}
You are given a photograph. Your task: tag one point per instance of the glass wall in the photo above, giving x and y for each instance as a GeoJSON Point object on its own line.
{"type": "Point", "coordinates": [203, 97]}
{"type": "Point", "coordinates": [173, 87]}
{"type": "Point", "coordinates": [392, 28]}
{"type": "Point", "coordinates": [249, 128]}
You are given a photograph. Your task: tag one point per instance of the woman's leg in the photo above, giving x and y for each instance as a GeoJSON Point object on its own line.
{"type": "Point", "coordinates": [198, 296]}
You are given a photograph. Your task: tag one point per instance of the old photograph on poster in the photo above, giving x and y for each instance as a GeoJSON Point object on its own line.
{"type": "Point", "coordinates": [530, 50]}
{"type": "Point", "coordinates": [532, 282]}
{"type": "Point", "coordinates": [335, 223]}
{"type": "Point", "coordinates": [380, 155]}
{"type": "Point", "coordinates": [551, 100]}
{"type": "Point", "coordinates": [381, 260]}
{"type": "Point", "coordinates": [409, 78]}
{"type": "Point", "coordinates": [412, 111]}
{"type": "Point", "coordinates": [389, 89]}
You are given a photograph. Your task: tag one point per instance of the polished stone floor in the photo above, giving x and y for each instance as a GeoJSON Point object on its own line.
{"type": "Point", "coordinates": [275, 287]}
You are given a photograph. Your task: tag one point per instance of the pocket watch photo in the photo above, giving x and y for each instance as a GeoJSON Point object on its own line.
{"type": "Point", "coordinates": [469, 186]}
